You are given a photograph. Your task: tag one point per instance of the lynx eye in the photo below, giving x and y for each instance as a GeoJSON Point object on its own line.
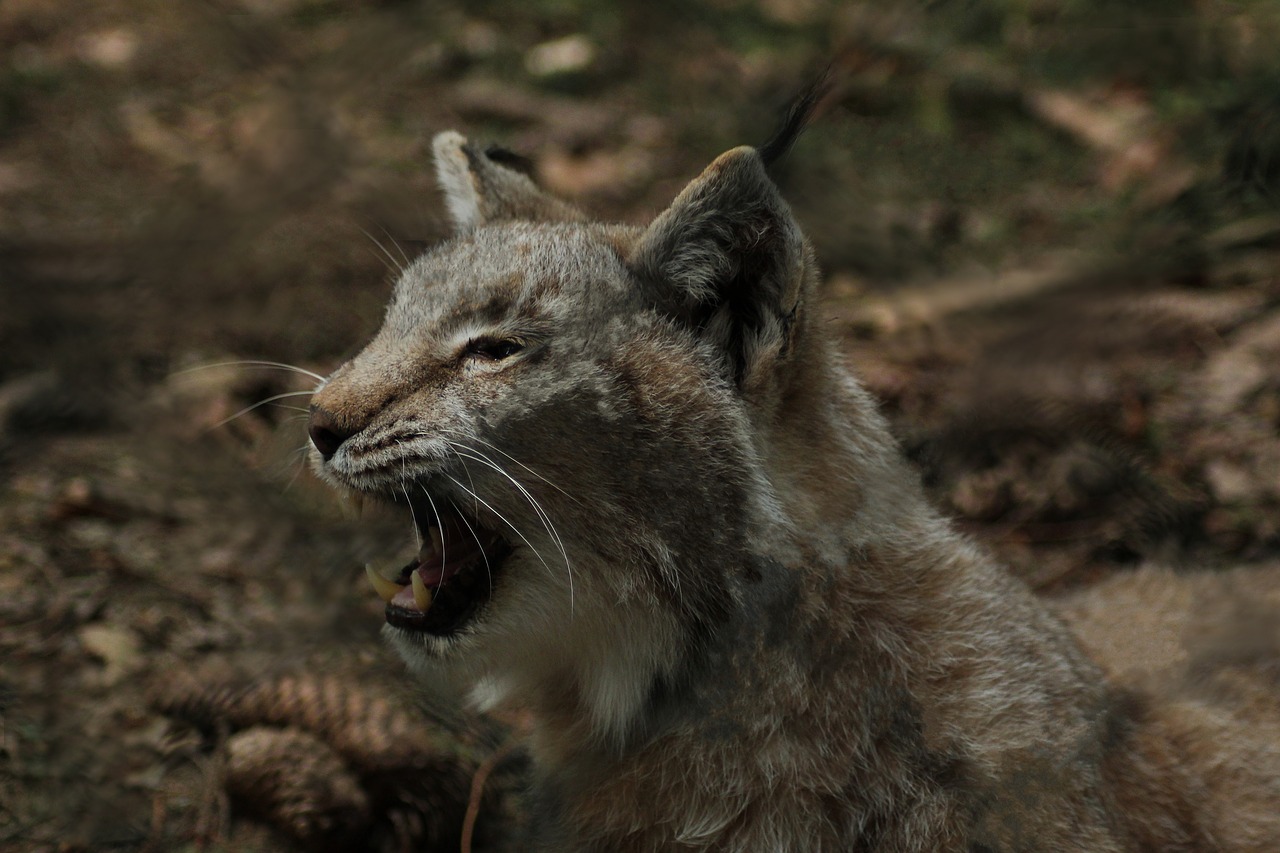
{"type": "Point", "coordinates": [493, 349]}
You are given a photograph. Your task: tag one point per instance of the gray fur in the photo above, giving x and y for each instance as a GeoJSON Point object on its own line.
{"type": "Point", "coordinates": [758, 635]}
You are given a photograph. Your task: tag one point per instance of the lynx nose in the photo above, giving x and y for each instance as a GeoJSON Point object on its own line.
{"type": "Point", "coordinates": [327, 434]}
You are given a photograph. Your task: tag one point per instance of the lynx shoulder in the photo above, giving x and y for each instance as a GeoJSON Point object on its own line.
{"type": "Point", "coordinates": [658, 511]}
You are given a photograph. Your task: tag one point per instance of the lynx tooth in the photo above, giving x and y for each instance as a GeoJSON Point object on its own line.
{"type": "Point", "coordinates": [421, 595]}
{"type": "Point", "coordinates": [386, 589]}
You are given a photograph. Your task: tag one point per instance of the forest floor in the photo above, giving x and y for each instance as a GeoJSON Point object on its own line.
{"type": "Point", "coordinates": [1052, 241]}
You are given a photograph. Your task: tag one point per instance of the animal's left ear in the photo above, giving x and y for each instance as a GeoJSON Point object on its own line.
{"type": "Point", "coordinates": [728, 258]}
{"type": "Point", "coordinates": [481, 186]}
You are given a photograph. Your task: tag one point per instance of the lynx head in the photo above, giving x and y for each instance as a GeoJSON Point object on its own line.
{"type": "Point", "coordinates": [574, 416]}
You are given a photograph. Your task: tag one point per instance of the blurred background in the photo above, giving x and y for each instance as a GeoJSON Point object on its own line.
{"type": "Point", "coordinates": [1051, 234]}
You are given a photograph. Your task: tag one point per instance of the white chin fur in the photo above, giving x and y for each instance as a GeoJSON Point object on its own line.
{"type": "Point", "coordinates": [528, 641]}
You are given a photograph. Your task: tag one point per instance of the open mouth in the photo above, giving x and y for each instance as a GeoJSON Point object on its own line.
{"type": "Point", "coordinates": [449, 581]}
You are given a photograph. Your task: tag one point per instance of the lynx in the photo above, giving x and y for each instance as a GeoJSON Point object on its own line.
{"type": "Point", "coordinates": [657, 512]}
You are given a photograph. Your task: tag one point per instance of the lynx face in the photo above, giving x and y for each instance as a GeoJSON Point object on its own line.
{"type": "Point", "coordinates": [565, 411]}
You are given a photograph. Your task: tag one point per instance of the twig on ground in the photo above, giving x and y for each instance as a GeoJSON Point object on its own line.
{"type": "Point", "coordinates": [477, 792]}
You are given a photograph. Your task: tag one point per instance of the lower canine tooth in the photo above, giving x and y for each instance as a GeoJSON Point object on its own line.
{"type": "Point", "coordinates": [421, 595]}
{"type": "Point", "coordinates": [386, 589]}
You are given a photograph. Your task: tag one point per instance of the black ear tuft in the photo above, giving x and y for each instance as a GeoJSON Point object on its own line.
{"type": "Point", "coordinates": [797, 117]}
{"type": "Point", "coordinates": [482, 186]}
{"type": "Point", "coordinates": [510, 159]}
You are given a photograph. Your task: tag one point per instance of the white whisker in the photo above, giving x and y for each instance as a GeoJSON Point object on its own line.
{"type": "Point", "coordinates": [497, 449]}
{"type": "Point", "coordinates": [533, 502]}
{"type": "Point", "coordinates": [279, 365]}
{"type": "Point", "coordinates": [470, 480]}
{"type": "Point", "coordinates": [301, 453]}
{"type": "Point", "coordinates": [396, 243]}
{"type": "Point", "coordinates": [417, 536]}
{"type": "Point", "coordinates": [380, 259]}
{"type": "Point", "coordinates": [439, 526]}
{"type": "Point", "coordinates": [483, 554]}
{"type": "Point", "coordinates": [248, 409]}
{"type": "Point", "coordinates": [503, 519]}
{"type": "Point", "coordinates": [395, 265]}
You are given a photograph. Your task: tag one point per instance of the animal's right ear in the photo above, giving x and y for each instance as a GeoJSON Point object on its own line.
{"type": "Point", "coordinates": [479, 189]}
{"type": "Point", "coordinates": [728, 260]}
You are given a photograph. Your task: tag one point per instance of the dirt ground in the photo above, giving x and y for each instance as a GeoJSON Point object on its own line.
{"type": "Point", "coordinates": [1052, 237]}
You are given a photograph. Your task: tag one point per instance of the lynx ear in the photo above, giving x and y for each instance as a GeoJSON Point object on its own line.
{"type": "Point", "coordinates": [728, 258]}
{"type": "Point", "coordinates": [479, 189]}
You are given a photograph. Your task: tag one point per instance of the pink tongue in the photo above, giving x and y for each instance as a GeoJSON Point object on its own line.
{"type": "Point", "coordinates": [458, 548]}
{"type": "Point", "coordinates": [404, 598]}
